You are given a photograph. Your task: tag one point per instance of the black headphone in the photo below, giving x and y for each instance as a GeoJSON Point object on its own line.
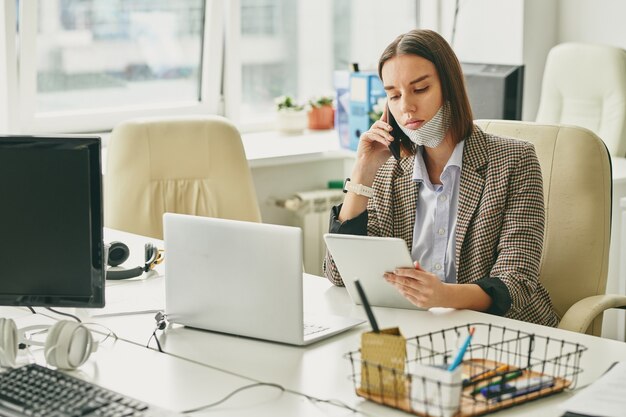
{"type": "Point", "coordinates": [118, 254]}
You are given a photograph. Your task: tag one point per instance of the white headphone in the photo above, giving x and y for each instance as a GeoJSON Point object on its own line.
{"type": "Point", "coordinates": [67, 346]}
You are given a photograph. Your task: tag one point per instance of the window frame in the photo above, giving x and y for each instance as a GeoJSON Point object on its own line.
{"type": "Point", "coordinates": [25, 119]}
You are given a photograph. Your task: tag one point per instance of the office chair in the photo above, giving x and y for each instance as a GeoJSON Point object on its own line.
{"type": "Point", "coordinates": [577, 184]}
{"type": "Point", "coordinates": [585, 85]}
{"type": "Point", "coordinates": [190, 165]}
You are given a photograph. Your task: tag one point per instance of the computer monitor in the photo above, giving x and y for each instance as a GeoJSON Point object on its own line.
{"type": "Point", "coordinates": [495, 91]}
{"type": "Point", "coordinates": [51, 227]}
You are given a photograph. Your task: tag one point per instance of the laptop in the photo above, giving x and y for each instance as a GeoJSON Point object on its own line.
{"type": "Point", "coordinates": [367, 258]}
{"type": "Point", "coordinates": [240, 278]}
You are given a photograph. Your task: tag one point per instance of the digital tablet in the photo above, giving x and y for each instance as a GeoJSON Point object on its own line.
{"type": "Point", "coordinates": [367, 258]}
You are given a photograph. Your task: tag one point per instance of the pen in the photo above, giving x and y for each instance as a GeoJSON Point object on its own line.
{"type": "Point", "coordinates": [488, 374]}
{"type": "Point", "coordinates": [524, 387]}
{"type": "Point", "coordinates": [366, 305]}
{"type": "Point", "coordinates": [506, 377]}
{"type": "Point", "coordinates": [459, 356]}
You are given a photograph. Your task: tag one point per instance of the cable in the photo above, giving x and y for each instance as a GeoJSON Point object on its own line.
{"type": "Point", "coordinates": [156, 339]}
{"type": "Point", "coordinates": [336, 403]}
{"type": "Point", "coordinates": [64, 314]}
{"type": "Point", "coordinates": [456, 15]}
{"type": "Point", "coordinates": [238, 390]}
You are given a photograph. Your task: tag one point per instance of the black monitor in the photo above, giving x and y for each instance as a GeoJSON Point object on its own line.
{"type": "Point", "coordinates": [51, 227]}
{"type": "Point", "coordinates": [495, 91]}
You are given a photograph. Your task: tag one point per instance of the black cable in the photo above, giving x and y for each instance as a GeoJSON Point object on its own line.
{"type": "Point", "coordinates": [336, 403]}
{"type": "Point", "coordinates": [64, 314]}
{"type": "Point", "coordinates": [456, 15]}
{"type": "Point", "coordinates": [156, 339]}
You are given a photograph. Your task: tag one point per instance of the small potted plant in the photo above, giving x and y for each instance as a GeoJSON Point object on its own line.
{"type": "Point", "coordinates": [321, 113]}
{"type": "Point", "coordinates": [377, 110]}
{"type": "Point", "coordinates": [290, 115]}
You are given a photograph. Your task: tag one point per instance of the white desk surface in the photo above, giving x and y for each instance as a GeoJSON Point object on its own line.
{"type": "Point", "coordinates": [320, 369]}
{"type": "Point", "coordinates": [171, 382]}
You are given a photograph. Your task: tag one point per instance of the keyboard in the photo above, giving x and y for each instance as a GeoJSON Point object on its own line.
{"type": "Point", "coordinates": [312, 328]}
{"type": "Point", "coordinates": [33, 390]}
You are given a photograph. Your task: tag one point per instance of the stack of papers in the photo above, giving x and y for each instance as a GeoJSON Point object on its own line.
{"type": "Point", "coordinates": [606, 397]}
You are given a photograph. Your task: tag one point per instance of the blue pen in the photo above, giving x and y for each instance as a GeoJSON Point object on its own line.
{"type": "Point", "coordinates": [459, 356]}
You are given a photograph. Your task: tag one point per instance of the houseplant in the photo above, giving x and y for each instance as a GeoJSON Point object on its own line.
{"type": "Point", "coordinates": [321, 112]}
{"type": "Point", "coordinates": [290, 115]}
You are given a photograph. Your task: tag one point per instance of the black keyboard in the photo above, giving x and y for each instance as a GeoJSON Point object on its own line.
{"type": "Point", "coordinates": [33, 390]}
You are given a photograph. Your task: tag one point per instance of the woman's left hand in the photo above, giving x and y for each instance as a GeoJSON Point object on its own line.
{"type": "Point", "coordinates": [422, 288]}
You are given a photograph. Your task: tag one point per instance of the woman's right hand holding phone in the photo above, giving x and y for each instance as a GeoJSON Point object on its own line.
{"type": "Point", "coordinates": [373, 150]}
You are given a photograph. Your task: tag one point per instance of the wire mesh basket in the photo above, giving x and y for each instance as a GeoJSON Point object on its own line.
{"type": "Point", "coordinates": [502, 367]}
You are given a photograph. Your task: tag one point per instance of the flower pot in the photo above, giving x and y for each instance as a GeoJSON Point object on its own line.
{"type": "Point", "coordinates": [322, 118]}
{"type": "Point", "coordinates": [290, 121]}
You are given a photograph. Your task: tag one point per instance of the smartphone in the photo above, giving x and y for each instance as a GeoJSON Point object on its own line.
{"type": "Point", "coordinates": [397, 134]}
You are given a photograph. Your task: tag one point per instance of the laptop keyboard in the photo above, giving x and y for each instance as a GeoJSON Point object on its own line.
{"type": "Point", "coordinates": [312, 328]}
{"type": "Point", "coordinates": [34, 390]}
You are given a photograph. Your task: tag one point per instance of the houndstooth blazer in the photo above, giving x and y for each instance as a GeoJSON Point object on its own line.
{"type": "Point", "coordinates": [500, 224]}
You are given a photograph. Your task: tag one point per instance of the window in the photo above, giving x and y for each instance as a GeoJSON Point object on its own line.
{"type": "Point", "coordinates": [292, 47]}
{"type": "Point", "coordinates": [86, 64]}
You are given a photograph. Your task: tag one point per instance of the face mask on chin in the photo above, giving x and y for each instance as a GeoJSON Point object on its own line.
{"type": "Point", "coordinates": [431, 134]}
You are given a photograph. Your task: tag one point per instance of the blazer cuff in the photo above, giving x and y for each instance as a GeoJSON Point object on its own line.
{"type": "Point", "coordinates": [499, 293]}
{"type": "Point", "coordinates": [355, 226]}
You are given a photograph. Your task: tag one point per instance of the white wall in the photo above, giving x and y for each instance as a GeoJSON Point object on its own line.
{"type": "Point", "coordinates": [383, 23]}
{"type": "Point", "coordinates": [315, 52]}
{"type": "Point", "coordinates": [597, 21]}
{"type": "Point", "coordinates": [488, 31]}
{"type": "Point", "coordinates": [511, 32]}
{"type": "Point", "coordinates": [540, 35]}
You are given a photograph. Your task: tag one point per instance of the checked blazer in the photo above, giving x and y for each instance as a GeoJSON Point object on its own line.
{"type": "Point", "coordinates": [500, 223]}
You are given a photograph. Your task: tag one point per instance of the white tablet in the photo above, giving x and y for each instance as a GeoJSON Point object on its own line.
{"type": "Point", "coordinates": [367, 258]}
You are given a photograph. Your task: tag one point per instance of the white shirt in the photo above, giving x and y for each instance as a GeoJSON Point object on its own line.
{"type": "Point", "coordinates": [434, 234]}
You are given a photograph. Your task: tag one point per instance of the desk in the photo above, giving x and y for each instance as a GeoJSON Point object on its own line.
{"type": "Point", "coordinates": [320, 369]}
{"type": "Point", "coordinates": [174, 383]}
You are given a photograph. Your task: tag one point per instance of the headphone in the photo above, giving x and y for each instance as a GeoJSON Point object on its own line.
{"type": "Point", "coordinates": [67, 346]}
{"type": "Point", "coordinates": [118, 253]}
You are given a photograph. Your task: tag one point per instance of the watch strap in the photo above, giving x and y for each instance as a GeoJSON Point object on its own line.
{"type": "Point", "coordinates": [358, 189]}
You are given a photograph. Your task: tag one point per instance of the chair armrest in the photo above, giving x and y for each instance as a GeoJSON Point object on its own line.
{"type": "Point", "coordinates": [580, 315]}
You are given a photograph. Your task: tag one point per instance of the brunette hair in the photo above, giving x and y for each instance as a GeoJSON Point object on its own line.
{"type": "Point", "coordinates": [433, 47]}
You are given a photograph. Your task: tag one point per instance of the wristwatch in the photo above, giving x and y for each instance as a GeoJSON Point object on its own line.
{"type": "Point", "coordinates": [358, 189]}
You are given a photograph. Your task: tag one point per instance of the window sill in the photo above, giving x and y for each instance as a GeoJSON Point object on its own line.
{"type": "Point", "coordinates": [275, 148]}
{"type": "Point", "coordinates": [272, 148]}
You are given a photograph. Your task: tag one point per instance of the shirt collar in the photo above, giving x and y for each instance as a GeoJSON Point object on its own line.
{"type": "Point", "coordinates": [419, 168]}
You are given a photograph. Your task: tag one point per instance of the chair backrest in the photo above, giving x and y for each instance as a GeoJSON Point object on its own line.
{"type": "Point", "coordinates": [577, 185]}
{"type": "Point", "coordinates": [189, 165]}
{"type": "Point", "coordinates": [585, 85]}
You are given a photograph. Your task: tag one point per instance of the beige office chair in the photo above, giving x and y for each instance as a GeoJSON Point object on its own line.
{"type": "Point", "coordinates": [191, 165]}
{"type": "Point", "coordinates": [577, 182]}
{"type": "Point", "coordinates": [585, 85]}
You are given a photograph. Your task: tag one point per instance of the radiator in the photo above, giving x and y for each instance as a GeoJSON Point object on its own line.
{"type": "Point", "coordinates": [312, 214]}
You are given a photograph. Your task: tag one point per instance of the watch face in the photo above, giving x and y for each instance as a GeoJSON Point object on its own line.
{"type": "Point", "coordinates": [345, 184]}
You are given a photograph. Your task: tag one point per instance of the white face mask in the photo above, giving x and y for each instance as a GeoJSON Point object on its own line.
{"type": "Point", "coordinates": [431, 134]}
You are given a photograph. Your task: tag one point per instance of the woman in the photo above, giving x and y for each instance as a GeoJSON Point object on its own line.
{"type": "Point", "coordinates": [468, 204]}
